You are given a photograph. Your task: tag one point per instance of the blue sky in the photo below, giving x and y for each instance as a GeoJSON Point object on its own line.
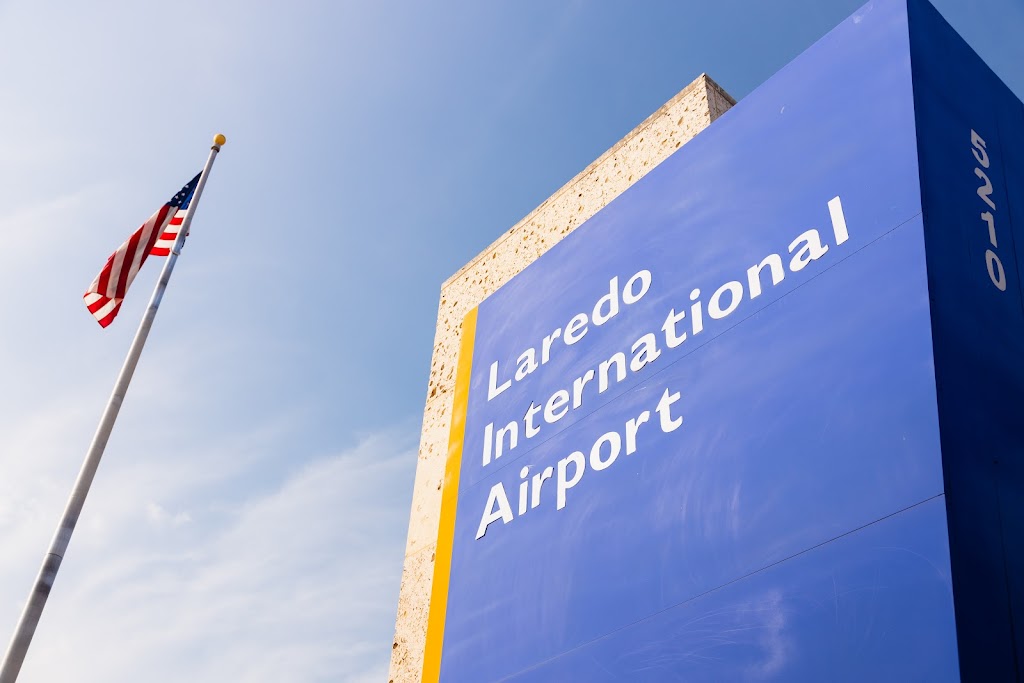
{"type": "Point", "coordinates": [248, 521]}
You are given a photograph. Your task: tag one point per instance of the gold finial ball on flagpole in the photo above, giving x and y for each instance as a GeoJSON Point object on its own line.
{"type": "Point", "coordinates": [219, 139]}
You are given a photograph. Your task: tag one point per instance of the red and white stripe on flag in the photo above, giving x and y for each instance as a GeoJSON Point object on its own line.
{"type": "Point", "coordinates": [104, 296]}
{"type": "Point", "coordinates": [169, 235]}
{"type": "Point", "coordinates": [156, 236]}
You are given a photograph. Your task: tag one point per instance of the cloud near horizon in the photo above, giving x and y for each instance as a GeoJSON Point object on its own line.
{"type": "Point", "coordinates": [294, 583]}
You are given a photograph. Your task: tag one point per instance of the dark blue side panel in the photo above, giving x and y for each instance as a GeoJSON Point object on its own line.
{"type": "Point", "coordinates": [971, 140]}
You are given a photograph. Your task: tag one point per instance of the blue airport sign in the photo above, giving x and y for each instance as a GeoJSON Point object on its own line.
{"type": "Point", "coordinates": [741, 424]}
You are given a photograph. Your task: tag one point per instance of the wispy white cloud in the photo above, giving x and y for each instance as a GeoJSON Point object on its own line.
{"type": "Point", "coordinates": [294, 583]}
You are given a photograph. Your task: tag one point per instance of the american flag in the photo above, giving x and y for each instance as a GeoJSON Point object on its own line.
{"type": "Point", "coordinates": [156, 236]}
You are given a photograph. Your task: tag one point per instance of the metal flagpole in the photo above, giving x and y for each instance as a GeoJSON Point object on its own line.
{"type": "Point", "coordinates": [58, 546]}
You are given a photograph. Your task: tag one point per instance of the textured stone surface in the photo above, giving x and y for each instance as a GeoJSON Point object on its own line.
{"type": "Point", "coordinates": [650, 143]}
{"type": "Point", "coordinates": [411, 623]}
{"type": "Point", "coordinates": [426, 503]}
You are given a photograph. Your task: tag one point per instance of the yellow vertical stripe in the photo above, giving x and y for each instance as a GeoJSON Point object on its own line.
{"type": "Point", "coordinates": [449, 500]}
